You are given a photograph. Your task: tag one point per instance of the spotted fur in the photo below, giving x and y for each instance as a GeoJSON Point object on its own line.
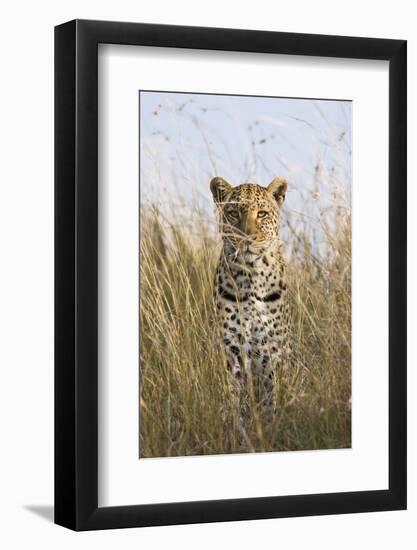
{"type": "Point", "coordinates": [250, 280]}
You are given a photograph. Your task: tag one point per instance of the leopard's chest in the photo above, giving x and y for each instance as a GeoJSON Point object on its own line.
{"type": "Point", "coordinates": [252, 280]}
{"type": "Point", "coordinates": [250, 300]}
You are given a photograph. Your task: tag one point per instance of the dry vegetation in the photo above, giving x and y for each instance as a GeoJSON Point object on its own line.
{"type": "Point", "coordinates": [186, 407]}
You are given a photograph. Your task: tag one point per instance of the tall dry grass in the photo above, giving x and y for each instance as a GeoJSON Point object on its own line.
{"type": "Point", "coordinates": [186, 406]}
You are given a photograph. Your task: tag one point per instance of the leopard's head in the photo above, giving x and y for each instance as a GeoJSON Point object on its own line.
{"type": "Point", "coordinates": [249, 213]}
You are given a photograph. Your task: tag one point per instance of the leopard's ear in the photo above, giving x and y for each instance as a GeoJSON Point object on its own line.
{"type": "Point", "coordinates": [278, 187]}
{"type": "Point", "coordinates": [220, 188]}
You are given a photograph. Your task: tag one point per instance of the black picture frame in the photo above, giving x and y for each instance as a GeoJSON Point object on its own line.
{"type": "Point", "coordinates": [76, 272]}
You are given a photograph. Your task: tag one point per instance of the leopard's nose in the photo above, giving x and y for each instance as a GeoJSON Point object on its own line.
{"type": "Point", "coordinates": [248, 223]}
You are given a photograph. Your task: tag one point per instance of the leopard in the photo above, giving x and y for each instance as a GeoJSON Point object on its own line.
{"type": "Point", "coordinates": [250, 284]}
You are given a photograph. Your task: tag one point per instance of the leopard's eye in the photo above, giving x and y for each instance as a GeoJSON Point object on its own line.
{"type": "Point", "coordinates": [262, 214]}
{"type": "Point", "coordinates": [233, 214]}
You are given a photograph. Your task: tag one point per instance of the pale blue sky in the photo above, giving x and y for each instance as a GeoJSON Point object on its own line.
{"type": "Point", "coordinates": [186, 139]}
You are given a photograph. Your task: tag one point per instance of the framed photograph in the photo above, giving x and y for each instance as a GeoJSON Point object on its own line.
{"type": "Point", "coordinates": [230, 254]}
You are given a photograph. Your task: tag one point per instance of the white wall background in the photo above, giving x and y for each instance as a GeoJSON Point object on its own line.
{"type": "Point", "coordinates": [26, 285]}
